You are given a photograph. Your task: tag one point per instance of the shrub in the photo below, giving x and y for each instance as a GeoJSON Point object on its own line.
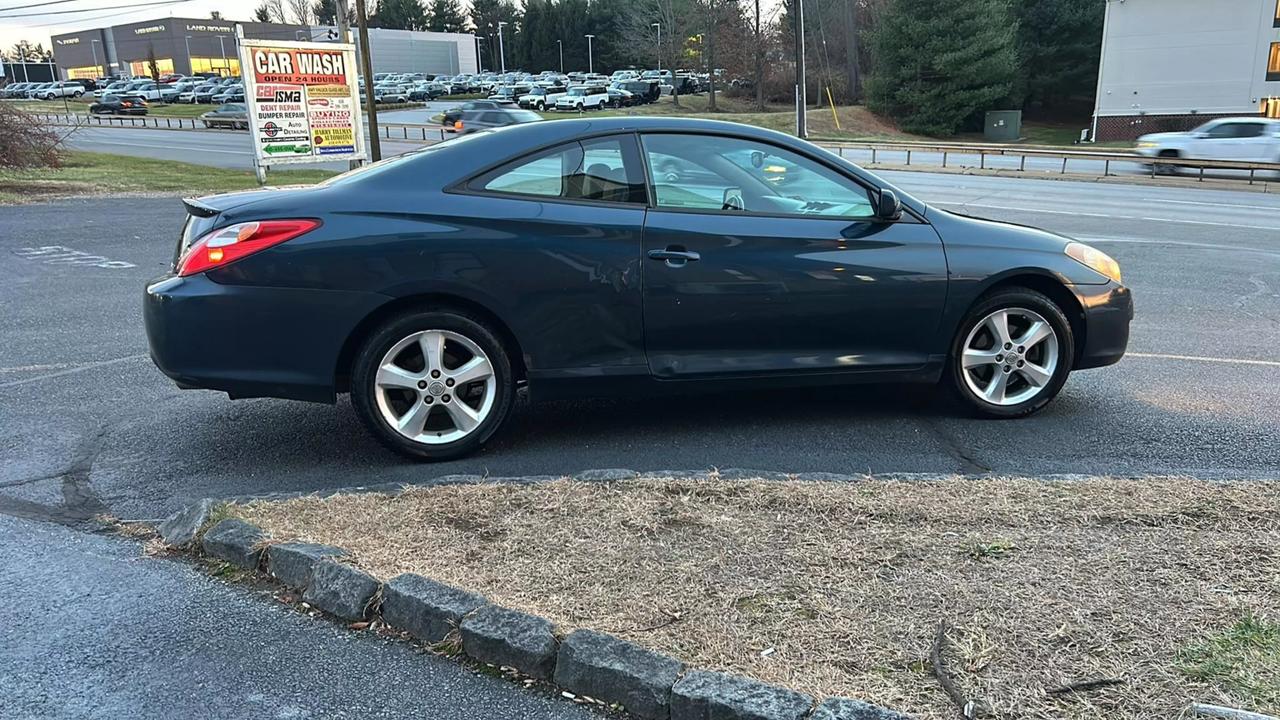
{"type": "Point", "coordinates": [24, 142]}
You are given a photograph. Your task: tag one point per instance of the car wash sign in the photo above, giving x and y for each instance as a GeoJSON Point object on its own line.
{"type": "Point", "coordinates": [304, 102]}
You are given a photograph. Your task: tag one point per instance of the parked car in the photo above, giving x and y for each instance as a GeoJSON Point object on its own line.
{"type": "Point", "coordinates": [119, 105]}
{"type": "Point", "coordinates": [542, 97]}
{"type": "Point", "coordinates": [453, 115]}
{"type": "Point", "coordinates": [390, 94]}
{"type": "Point", "coordinates": [645, 91]}
{"type": "Point", "coordinates": [113, 87]}
{"type": "Point", "coordinates": [1249, 139]}
{"type": "Point", "coordinates": [229, 115]}
{"type": "Point", "coordinates": [510, 94]}
{"type": "Point", "coordinates": [424, 90]}
{"type": "Point", "coordinates": [621, 98]}
{"type": "Point", "coordinates": [37, 90]}
{"type": "Point", "coordinates": [204, 93]}
{"type": "Point", "coordinates": [15, 90]}
{"type": "Point", "coordinates": [584, 97]}
{"type": "Point", "coordinates": [477, 120]}
{"type": "Point", "coordinates": [230, 93]}
{"type": "Point", "coordinates": [425, 291]}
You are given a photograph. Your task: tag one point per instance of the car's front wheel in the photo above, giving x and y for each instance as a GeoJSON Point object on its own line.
{"type": "Point", "coordinates": [433, 385]}
{"type": "Point", "coordinates": [1012, 354]}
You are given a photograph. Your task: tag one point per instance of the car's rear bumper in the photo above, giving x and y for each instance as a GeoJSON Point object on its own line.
{"type": "Point", "coordinates": [251, 341]}
{"type": "Point", "coordinates": [1108, 310]}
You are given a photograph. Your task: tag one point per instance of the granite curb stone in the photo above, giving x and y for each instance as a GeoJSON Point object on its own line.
{"type": "Point", "coordinates": [510, 638]}
{"type": "Point", "coordinates": [426, 609]}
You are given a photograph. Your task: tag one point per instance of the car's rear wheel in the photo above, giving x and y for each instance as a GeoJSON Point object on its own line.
{"type": "Point", "coordinates": [433, 385]}
{"type": "Point", "coordinates": [1012, 354]}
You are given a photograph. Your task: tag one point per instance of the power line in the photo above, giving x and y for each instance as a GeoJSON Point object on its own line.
{"type": "Point", "coordinates": [42, 4]}
{"type": "Point", "coordinates": [109, 7]}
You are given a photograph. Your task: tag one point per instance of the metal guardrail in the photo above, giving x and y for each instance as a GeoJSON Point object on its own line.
{"type": "Point", "coordinates": [982, 151]}
{"type": "Point", "coordinates": [414, 132]}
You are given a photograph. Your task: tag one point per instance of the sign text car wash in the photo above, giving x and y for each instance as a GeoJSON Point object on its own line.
{"type": "Point", "coordinates": [303, 100]}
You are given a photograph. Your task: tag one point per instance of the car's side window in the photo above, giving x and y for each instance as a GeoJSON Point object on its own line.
{"type": "Point", "coordinates": [733, 175]}
{"type": "Point", "coordinates": [589, 170]}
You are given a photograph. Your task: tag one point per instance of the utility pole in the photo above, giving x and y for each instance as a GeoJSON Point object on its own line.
{"type": "Point", "coordinates": [561, 44]}
{"type": "Point", "coordinates": [591, 68]}
{"type": "Point", "coordinates": [344, 36]}
{"type": "Point", "coordinates": [375, 147]}
{"type": "Point", "coordinates": [502, 52]}
{"type": "Point", "coordinates": [801, 101]}
{"type": "Point", "coordinates": [659, 26]}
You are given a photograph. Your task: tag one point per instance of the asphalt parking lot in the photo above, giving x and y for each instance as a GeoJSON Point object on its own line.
{"type": "Point", "coordinates": [92, 427]}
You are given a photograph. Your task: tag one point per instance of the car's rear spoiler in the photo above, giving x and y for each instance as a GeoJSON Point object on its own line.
{"type": "Point", "coordinates": [198, 209]}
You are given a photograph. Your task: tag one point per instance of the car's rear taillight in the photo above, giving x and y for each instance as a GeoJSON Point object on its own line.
{"type": "Point", "coordinates": [227, 244]}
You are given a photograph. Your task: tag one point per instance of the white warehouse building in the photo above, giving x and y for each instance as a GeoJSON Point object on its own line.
{"type": "Point", "coordinates": [1174, 64]}
{"type": "Point", "coordinates": [412, 51]}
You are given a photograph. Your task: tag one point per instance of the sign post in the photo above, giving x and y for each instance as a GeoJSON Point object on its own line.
{"type": "Point", "coordinates": [303, 102]}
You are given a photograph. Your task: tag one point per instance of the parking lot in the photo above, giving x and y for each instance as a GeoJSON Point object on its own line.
{"type": "Point", "coordinates": [95, 428]}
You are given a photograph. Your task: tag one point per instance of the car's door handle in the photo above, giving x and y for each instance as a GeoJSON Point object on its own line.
{"type": "Point", "coordinates": [675, 256]}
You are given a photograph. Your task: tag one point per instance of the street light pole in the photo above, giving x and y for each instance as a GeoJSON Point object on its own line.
{"type": "Point", "coordinates": [659, 26]}
{"type": "Point", "coordinates": [502, 53]}
{"type": "Point", "coordinates": [802, 101]}
{"type": "Point", "coordinates": [591, 68]}
{"type": "Point", "coordinates": [189, 68]}
{"type": "Point", "coordinates": [223, 48]}
{"type": "Point", "coordinates": [93, 46]}
{"type": "Point", "coordinates": [479, 55]}
{"type": "Point", "coordinates": [561, 44]}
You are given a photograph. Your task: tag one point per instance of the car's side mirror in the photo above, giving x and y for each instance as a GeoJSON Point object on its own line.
{"type": "Point", "coordinates": [889, 207]}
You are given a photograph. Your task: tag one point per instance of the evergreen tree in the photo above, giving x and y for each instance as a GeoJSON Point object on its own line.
{"type": "Point", "coordinates": [939, 63]}
{"type": "Point", "coordinates": [400, 15]}
{"type": "Point", "coordinates": [446, 16]}
{"type": "Point", "coordinates": [1059, 43]}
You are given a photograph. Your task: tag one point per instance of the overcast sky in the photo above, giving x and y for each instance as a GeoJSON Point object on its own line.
{"type": "Point", "coordinates": [38, 28]}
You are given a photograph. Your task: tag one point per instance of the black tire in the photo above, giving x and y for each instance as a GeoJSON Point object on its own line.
{"type": "Point", "coordinates": [1010, 298]}
{"type": "Point", "coordinates": [1168, 169]}
{"type": "Point", "coordinates": [364, 374]}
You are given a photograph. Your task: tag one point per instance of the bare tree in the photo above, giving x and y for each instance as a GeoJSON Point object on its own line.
{"type": "Point", "coordinates": [301, 10]}
{"type": "Point", "coordinates": [276, 8]}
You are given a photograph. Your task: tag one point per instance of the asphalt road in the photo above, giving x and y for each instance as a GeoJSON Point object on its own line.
{"type": "Point", "coordinates": [230, 148]}
{"type": "Point", "coordinates": [91, 426]}
{"type": "Point", "coordinates": [91, 628]}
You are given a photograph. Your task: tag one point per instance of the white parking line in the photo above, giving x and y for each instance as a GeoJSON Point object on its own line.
{"type": "Point", "coordinates": [1182, 243]}
{"type": "Point", "coordinates": [73, 369]}
{"type": "Point", "coordinates": [1201, 358]}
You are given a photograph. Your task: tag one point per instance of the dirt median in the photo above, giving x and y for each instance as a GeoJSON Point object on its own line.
{"type": "Point", "coordinates": [1170, 586]}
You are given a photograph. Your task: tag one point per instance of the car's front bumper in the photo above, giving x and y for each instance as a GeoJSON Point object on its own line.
{"type": "Point", "coordinates": [1108, 310]}
{"type": "Point", "coordinates": [251, 341]}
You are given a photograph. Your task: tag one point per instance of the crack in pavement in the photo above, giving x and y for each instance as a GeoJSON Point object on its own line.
{"type": "Point", "coordinates": [969, 463]}
{"type": "Point", "coordinates": [80, 503]}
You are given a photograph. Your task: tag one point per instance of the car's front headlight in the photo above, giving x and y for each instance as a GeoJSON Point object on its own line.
{"type": "Point", "coordinates": [1146, 144]}
{"type": "Point", "coordinates": [1094, 259]}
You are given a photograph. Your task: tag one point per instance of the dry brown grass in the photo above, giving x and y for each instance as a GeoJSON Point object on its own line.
{"type": "Point", "coordinates": [1045, 583]}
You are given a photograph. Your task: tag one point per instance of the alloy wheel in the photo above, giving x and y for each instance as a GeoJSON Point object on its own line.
{"type": "Point", "coordinates": [1009, 356]}
{"type": "Point", "coordinates": [435, 387]}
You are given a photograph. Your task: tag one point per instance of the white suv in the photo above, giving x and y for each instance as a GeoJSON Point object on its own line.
{"type": "Point", "coordinates": [584, 97]}
{"type": "Point", "coordinates": [66, 88]}
{"type": "Point", "coordinates": [1247, 139]}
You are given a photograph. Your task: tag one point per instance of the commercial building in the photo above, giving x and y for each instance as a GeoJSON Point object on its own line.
{"type": "Point", "coordinates": [1174, 64]}
{"type": "Point", "coordinates": [190, 45]}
